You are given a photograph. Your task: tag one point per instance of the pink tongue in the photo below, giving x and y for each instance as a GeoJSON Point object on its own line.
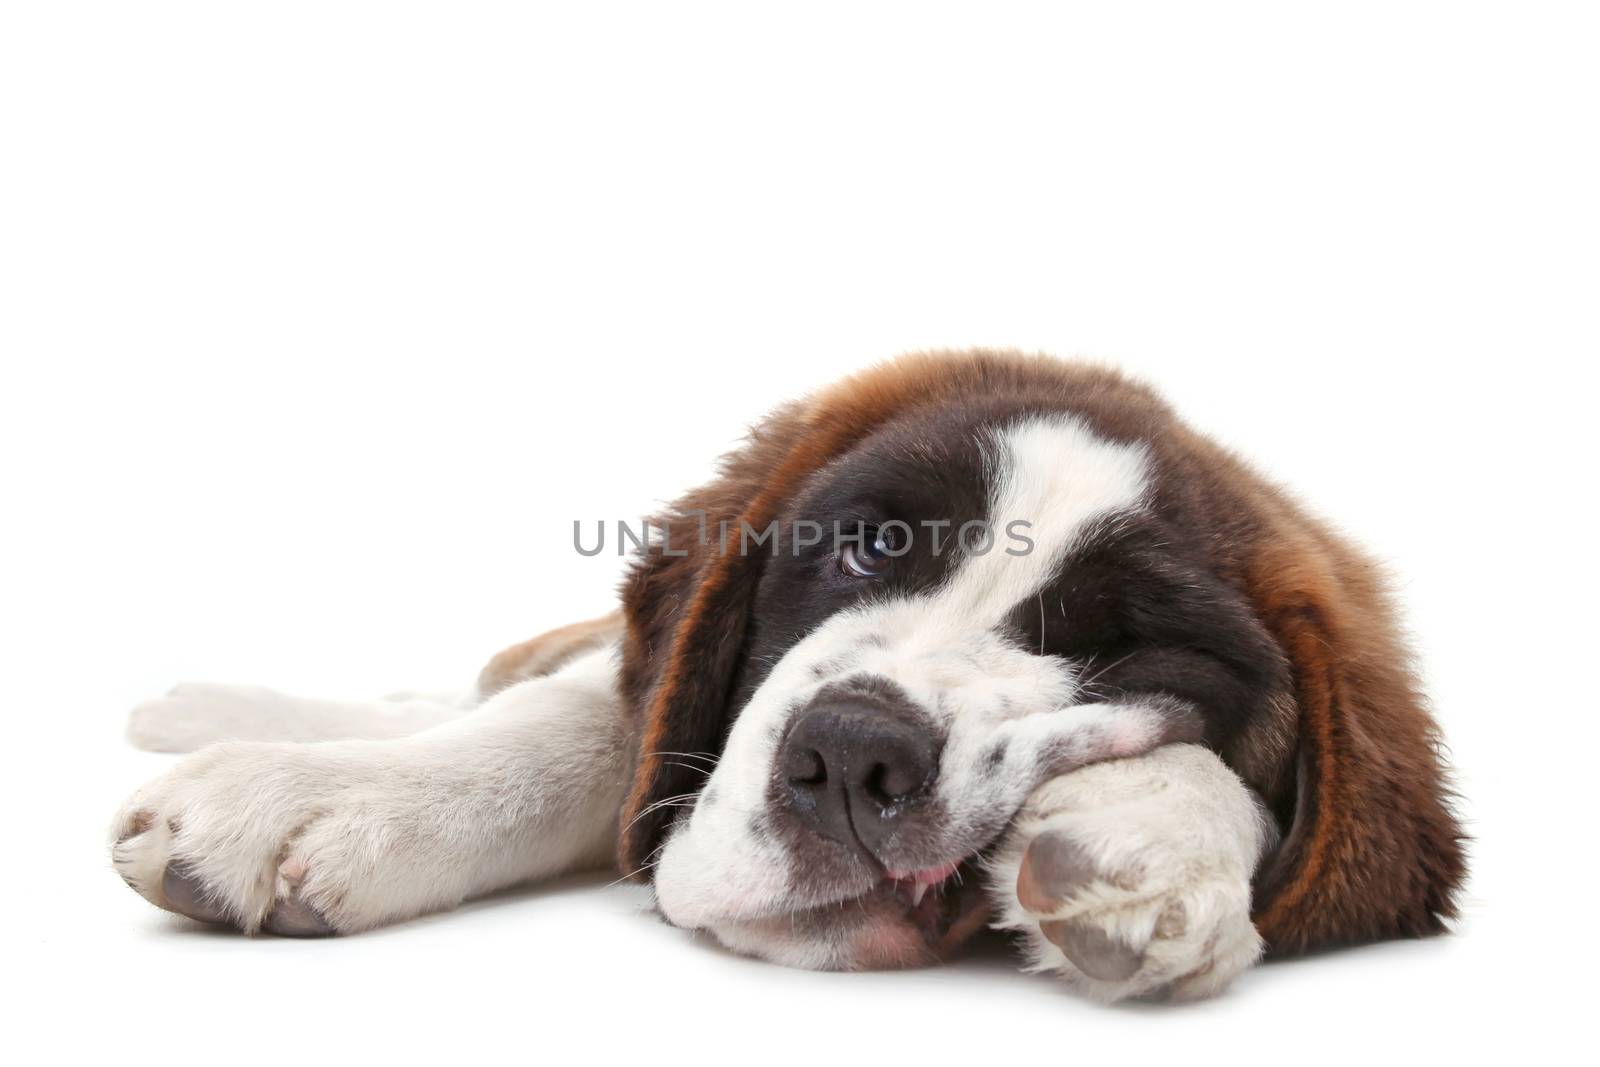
{"type": "Point", "coordinates": [926, 876]}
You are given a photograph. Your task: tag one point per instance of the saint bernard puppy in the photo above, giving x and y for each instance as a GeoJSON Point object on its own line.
{"type": "Point", "coordinates": [965, 640]}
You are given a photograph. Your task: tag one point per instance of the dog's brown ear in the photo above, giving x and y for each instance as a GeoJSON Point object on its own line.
{"type": "Point", "coordinates": [680, 657]}
{"type": "Point", "coordinates": [1373, 850]}
{"type": "Point", "coordinates": [686, 603]}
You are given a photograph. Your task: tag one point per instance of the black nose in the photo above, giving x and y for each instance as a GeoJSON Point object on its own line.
{"type": "Point", "coordinates": [851, 769]}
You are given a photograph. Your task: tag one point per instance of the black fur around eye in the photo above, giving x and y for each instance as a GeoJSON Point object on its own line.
{"type": "Point", "coordinates": [871, 556]}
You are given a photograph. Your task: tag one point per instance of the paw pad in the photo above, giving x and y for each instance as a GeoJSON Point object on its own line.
{"type": "Point", "coordinates": [1093, 951]}
{"type": "Point", "coordinates": [293, 917]}
{"type": "Point", "coordinates": [187, 896]}
{"type": "Point", "coordinates": [1055, 867]}
{"type": "Point", "coordinates": [290, 916]}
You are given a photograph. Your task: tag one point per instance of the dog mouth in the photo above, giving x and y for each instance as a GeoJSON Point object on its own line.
{"type": "Point", "coordinates": [900, 918]}
{"type": "Point", "coordinates": [945, 904]}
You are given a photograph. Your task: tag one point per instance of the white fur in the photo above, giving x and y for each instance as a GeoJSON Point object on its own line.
{"type": "Point", "coordinates": [196, 714]}
{"type": "Point", "coordinates": [1174, 829]}
{"type": "Point", "coordinates": [370, 832]}
{"type": "Point", "coordinates": [945, 650]}
{"type": "Point", "coordinates": [1058, 476]}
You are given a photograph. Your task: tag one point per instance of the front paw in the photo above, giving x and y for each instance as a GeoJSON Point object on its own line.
{"type": "Point", "coordinates": [247, 835]}
{"type": "Point", "coordinates": [1156, 924]}
{"type": "Point", "coordinates": [1123, 892]}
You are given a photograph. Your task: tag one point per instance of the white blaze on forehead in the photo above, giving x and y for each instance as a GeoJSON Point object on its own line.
{"type": "Point", "coordinates": [1059, 479]}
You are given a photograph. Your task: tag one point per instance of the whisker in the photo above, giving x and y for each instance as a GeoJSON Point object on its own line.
{"type": "Point", "coordinates": [650, 861]}
{"type": "Point", "coordinates": [630, 875]}
{"type": "Point", "coordinates": [1086, 683]}
{"type": "Point", "coordinates": [1041, 622]}
{"type": "Point", "coordinates": [677, 801]}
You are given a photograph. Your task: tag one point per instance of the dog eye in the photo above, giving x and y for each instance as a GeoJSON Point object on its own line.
{"type": "Point", "coordinates": [869, 557]}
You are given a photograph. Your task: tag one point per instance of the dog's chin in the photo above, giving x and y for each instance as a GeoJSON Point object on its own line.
{"type": "Point", "coordinates": [909, 920]}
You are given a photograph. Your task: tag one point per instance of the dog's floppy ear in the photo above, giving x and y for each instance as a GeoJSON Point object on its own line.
{"type": "Point", "coordinates": [686, 602]}
{"type": "Point", "coordinates": [684, 642]}
{"type": "Point", "coordinates": [1372, 850]}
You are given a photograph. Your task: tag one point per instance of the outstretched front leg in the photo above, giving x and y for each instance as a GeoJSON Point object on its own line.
{"type": "Point", "coordinates": [1133, 876]}
{"type": "Point", "coordinates": [342, 836]}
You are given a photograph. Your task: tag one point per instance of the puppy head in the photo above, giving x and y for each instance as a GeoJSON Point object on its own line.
{"type": "Point", "coordinates": [841, 719]}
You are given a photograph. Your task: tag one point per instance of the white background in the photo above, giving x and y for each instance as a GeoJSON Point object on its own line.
{"type": "Point", "coordinates": [321, 323]}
